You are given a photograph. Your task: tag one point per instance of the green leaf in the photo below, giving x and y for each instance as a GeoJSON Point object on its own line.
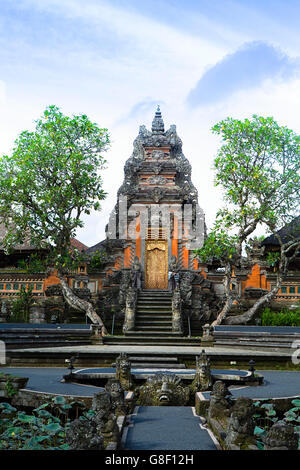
{"type": "Point", "coordinates": [259, 431]}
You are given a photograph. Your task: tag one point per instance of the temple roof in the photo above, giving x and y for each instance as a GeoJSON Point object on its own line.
{"type": "Point", "coordinates": [288, 232]}
{"type": "Point", "coordinates": [27, 246]}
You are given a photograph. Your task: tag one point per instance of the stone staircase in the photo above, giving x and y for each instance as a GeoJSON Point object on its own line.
{"type": "Point", "coordinates": [153, 323]}
{"type": "Point", "coordinates": [27, 335]}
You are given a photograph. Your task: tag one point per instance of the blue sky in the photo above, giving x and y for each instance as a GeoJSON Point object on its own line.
{"type": "Point", "coordinates": [200, 60]}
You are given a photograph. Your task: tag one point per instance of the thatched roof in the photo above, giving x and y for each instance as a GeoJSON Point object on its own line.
{"type": "Point", "coordinates": [287, 233]}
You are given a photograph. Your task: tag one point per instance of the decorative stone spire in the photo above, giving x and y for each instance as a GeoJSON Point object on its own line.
{"type": "Point", "coordinates": [158, 126]}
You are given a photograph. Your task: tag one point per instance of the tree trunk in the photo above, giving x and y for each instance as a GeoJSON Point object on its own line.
{"type": "Point", "coordinates": [223, 314]}
{"type": "Point", "coordinates": [229, 297]}
{"type": "Point", "coordinates": [246, 317]}
{"type": "Point", "coordinates": [80, 304]}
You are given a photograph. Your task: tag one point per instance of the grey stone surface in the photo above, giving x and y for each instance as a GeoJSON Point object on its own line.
{"type": "Point", "coordinates": [167, 428]}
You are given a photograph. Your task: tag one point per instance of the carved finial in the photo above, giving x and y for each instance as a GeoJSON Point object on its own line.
{"type": "Point", "coordinates": [158, 126]}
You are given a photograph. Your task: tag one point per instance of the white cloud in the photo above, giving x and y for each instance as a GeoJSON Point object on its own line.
{"type": "Point", "coordinates": [127, 59]}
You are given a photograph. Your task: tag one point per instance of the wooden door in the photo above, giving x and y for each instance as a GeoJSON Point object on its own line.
{"type": "Point", "coordinates": [156, 272]}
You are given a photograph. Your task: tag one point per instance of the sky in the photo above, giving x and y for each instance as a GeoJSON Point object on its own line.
{"type": "Point", "coordinates": [200, 60]}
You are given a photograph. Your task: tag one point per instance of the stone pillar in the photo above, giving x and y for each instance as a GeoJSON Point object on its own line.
{"type": "Point", "coordinates": [3, 312]}
{"type": "Point", "coordinates": [207, 333]}
{"type": "Point", "coordinates": [131, 298]}
{"type": "Point", "coordinates": [176, 311]}
{"type": "Point", "coordinates": [37, 313]}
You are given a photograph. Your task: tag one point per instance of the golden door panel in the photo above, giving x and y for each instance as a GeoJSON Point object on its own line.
{"type": "Point", "coordinates": [156, 275]}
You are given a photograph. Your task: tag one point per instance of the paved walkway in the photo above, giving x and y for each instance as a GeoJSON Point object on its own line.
{"type": "Point", "coordinates": [274, 330]}
{"type": "Point", "coordinates": [51, 326]}
{"type": "Point", "coordinates": [167, 428]}
{"type": "Point", "coordinates": [226, 352]}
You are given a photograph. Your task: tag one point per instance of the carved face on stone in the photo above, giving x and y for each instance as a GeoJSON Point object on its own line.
{"type": "Point", "coordinates": [115, 389]}
{"type": "Point", "coordinates": [102, 403]}
{"type": "Point", "coordinates": [163, 389]}
{"type": "Point", "coordinates": [243, 410]}
{"type": "Point", "coordinates": [219, 389]}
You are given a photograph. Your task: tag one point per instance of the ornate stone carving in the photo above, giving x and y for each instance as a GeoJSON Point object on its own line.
{"type": "Point", "coordinates": [241, 424]}
{"type": "Point", "coordinates": [157, 180]}
{"type": "Point", "coordinates": [136, 274]}
{"type": "Point", "coordinates": [4, 312]}
{"type": "Point", "coordinates": [203, 378]}
{"type": "Point", "coordinates": [173, 265]}
{"type": "Point", "coordinates": [176, 311]}
{"type": "Point", "coordinates": [157, 123]}
{"type": "Point", "coordinates": [123, 371]}
{"type": "Point", "coordinates": [130, 309]}
{"type": "Point", "coordinates": [254, 250]}
{"type": "Point", "coordinates": [116, 391]}
{"type": "Point", "coordinates": [54, 290]}
{"type": "Point", "coordinates": [157, 154]}
{"type": "Point", "coordinates": [186, 288]}
{"type": "Point", "coordinates": [124, 286]}
{"type": "Point", "coordinates": [104, 418]}
{"type": "Point", "coordinates": [157, 194]}
{"type": "Point", "coordinates": [281, 436]}
{"type": "Point", "coordinates": [220, 400]}
{"type": "Point", "coordinates": [83, 435]}
{"type": "Point", "coordinates": [162, 390]}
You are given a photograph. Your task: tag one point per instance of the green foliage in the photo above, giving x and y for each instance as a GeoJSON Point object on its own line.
{"type": "Point", "coordinates": [282, 318]}
{"type": "Point", "coordinates": [44, 429]}
{"type": "Point", "coordinates": [218, 245]}
{"type": "Point", "coordinates": [21, 306]}
{"type": "Point", "coordinates": [33, 264]}
{"type": "Point", "coordinates": [258, 169]}
{"type": "Point", "coordinates": [273, 258]}
{"type": "Point", "coordinates": [265, 416]}
{"type": "Point", "coordinates": [51, 180]}
{"type": "Point", "coordinates": [97, 260]}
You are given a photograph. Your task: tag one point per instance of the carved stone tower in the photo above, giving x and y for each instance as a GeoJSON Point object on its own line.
{"type": "Point", "coordinates": [157, 214]}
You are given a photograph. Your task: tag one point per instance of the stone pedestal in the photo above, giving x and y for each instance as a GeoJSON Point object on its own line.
{"type": "Point", "coordinates": [37, 314]}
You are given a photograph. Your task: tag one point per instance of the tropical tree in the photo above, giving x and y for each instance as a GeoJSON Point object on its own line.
{"type": "Point", "coordinates": [257, 167]}
{"type": "Point", "coordinates": [48, 182]}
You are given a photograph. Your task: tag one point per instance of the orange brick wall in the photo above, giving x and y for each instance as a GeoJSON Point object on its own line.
{"type": "Point", "coordinates": [256, 279]}
{"type": "Point", "coordinates": [52, 279]}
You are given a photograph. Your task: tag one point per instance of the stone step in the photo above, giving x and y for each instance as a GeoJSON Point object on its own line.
{"type": "Point", "coordinates": [154, 310]}
{"type": "Point", "coordinates": [155, 292]}
{"type": "Point", "coordinates": [155, 296]}
{"type": "Point", "coordinates": [153, 359]}
{"type": "Point", "coordinates": [153, 322]}
{"type": "Point", "coordinates": [154, 328]}
{"type": "Point", "coordinates": [157, 303]}
{"type": "Point", "coordinates": [137, 333]}
{"type": "Point", "coordinates": [163, 303]}
{"type": "Point", "coordinates": [255, 344]}
{"type": "Point", "coordinates": [152, 365]}
{"type": "Point", "coordinates": [154, 305]}
{"type": "Point", "coordinates": [152, 341]}
{"type": "Point", "coordinates": [146, 316]}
